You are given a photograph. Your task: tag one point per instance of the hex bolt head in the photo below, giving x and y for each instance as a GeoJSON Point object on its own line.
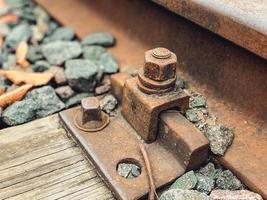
{"type": "Point", "coordinates": [90, 117]}
{"type": "Point", "coordinates": [91, 110]}
{"type": "Point", "coordinates": [160, 64]}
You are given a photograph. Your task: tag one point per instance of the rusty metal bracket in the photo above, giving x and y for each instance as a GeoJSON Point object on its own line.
{"type": "Point", "coordinates": [173, 144]}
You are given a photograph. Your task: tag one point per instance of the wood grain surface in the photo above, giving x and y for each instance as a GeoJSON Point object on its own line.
{"type": "Point", "coordinates": [39, 160]}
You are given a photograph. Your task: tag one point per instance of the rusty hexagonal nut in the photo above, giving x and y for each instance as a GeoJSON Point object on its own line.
{"type": "Point", "coordinates": [160, 64]}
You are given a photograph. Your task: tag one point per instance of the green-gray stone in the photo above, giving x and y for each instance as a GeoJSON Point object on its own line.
{"type": "Point", "coordinates": [197, 101]}
{"type": "Point", "coordinates": [76, 99]}
{"type": "Point", "coordinates": [40, 66]}
{"type": "Point", "coordinates": [128, 171]}
{"type": "Point", "coordinates": [47, 101]}
{"type": "Point", "coordinates": [191, 115]}
{"type": "Point", "coordinates": [220, 138]}
{"type": "Point", "coordinates": [205, 184]}
{"type": "Point", "coordinates": [178, 194]}
{"type": "Point", "coordinates": [186, 182]}
{"type": "Point", "coordinates": [227, 181]}
{"type": "Point", "coordinates": [20, 33]}
{"type": "Point", "coordinates": [10, 63]}
{"type": "Point", "coordinates": [93, 53]}
{"type": "Point", "coordinates": [20, 112]}
{"type": "Point", "coordinates": [108, 63]}
{"type": "Point", "coordinates": [80, 74]}
{"type": "Point", "coordinates": [108, 103]}
{"type": "Point", "coordinates": [210, 171]}
{"type": "Point", "coordinates": [102, 39]}
{"type": "Point", "coordinates": [102, 58]}
{"type": "Point", "coordinates": [59, 51]}
{"type": "Point", "coordinates": [34, 53]}
{"type": "Point", "coordinates": [62, 33]}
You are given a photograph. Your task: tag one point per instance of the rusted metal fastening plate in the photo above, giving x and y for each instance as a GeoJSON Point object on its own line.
{"type": "Point", "coordinates": [174, 145]}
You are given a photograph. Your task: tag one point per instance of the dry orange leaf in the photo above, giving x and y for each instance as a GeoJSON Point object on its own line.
{"type": "Point", "coordinates": [2, 91]}
{"type": "Point", "coordinates": [21, 52]}
{"type": "Point", "coordinates": [14, 95]}
{"type": "Point", "coordinates": [9, 19]}
{"type": "Point", "coordinates": [24, 64]}
{"type": "Point", "coordinates": [1, 40]}
{"type": "Point", "coordinates": [34, 78]}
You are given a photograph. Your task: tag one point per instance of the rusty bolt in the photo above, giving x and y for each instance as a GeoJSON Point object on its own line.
{"type": "Point", "coordinates": [160, 64]}
{"type": "Point", "coordinates": [91, 110]}
{"type": "Point", "coordinates": [91, 117]}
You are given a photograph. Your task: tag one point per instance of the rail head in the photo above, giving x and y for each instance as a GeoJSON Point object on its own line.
{"type": "Point", "coordinates": [242, 22]}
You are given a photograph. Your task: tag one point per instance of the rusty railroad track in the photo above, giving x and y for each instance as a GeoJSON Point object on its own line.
{"type": "Point", "coordinates": [221, 49]}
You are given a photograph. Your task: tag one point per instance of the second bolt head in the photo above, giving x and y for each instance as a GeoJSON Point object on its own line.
{"type": "Point", "coordinates": [160, 64]}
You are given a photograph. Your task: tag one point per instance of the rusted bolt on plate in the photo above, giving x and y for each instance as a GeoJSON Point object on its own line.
{"type": "Point", "coordinates": [90, 117]}
{"type": "Point", "coordinates": [159, 72]}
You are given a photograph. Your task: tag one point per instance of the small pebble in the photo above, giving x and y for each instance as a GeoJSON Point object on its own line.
{"type": "Point", "coordinates": [81, 74]}
{"type": "Point", "coordinates": [101, 58]}
{"type": "Point", "coordinates": [34, 53]}
{"type": "Point", "coordinates": [205, 184]}
{"type": "Point", "coordinates": [178, 194]}
{"type": "Point", "coordinates": [102, 89]}
{"type": "Point", "coordinates": [60, 51]}
{"type": "Point", "coordinates": [20, 33]}
{"type": "Point", "coordinates": [227, 181]}
{"type": "Point", "coordinates": [59, 75]}
{"type": "Point", "coordinates": [197, 101]}
{"type": "Point", "coordinates": [64, 92]}
{"type": "Point", "coordinates": [108, 103]}
{"type": "Point", "coordinates": [191, 115]}
{"type": "Point", "coordinates": [62, 33]}
{"type": "Point", "coordinates": [210, 171]}
{"type": "Point", "coordinates": [40, 66]}
{"type": "Point", "coordinates": [128, 171]}
{"type": "Point", "coordinates": [234, 195]}
{"type": "Point", "coordinates": [220, 138]}
{"type": "Point", "coordinates": [186, 182]}
{"type": "Point", "coordinates": [102, 39]}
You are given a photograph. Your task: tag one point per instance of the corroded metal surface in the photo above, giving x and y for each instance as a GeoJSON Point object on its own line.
{"type": "Point", "coordinates": [242, 22]}
{"type": "Point", "coordinates": [119, 142]}
{"type": "Point", "coordinates": [233, 79]}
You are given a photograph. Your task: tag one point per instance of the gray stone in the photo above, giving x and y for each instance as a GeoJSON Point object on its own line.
{"type": "Point", "coordinates": [181, 84]}
{"type": "Point", "coordinates": [59, 75]}
{"type": "Point", "coordinates": [62, 33]}
{"type": "Point", "coordinates": [234, 195]}
{"type": "Point", "coordinates": [76, 99]}
{"type": "Point", "coordinates": [20, 112]}
{"type": "Point", "coordinates": [20, 33]}
{"type": "Point", "coordinates": [80, 74]}
{"type": "Point", "coordinates": [4, 84]}
{"type": "Point", "coordinates": [205, 184]}
{"type": "Point", "coordinates": [128, 171]}
{"type": "Point", "coordinates": [93, 53]}
{"type": "Point", "coordinates": [64, 92]}
{"type": "Point", "coordinates": [102, 39]}
{"type": "Point", "coordinates": [108, 63]}
{"type": "Point", "coordinates": [191, 115]}
{"type": "Point", "coordinates": [210, 171]}
{"type": "Point", "coordinates": [220, 138]}
{"type": "Point", "coordinates": [108, 103]}
{"type": "Point", "coordinates": [197, 101]}
{"type": "Point", "coordinates": [227, 181]}
{"type": "Point", "coordinates": [59, 51]}
{"type": "Point", "coordinates": [34, 53]}
{"type": "Point", "coordinates": [4, 29]}
{"type": "Point", "coordinates": [10, 63]}
{"type": "Point", "coordinates": [40, 66]}
{"type": "Point", "coordinates": [178, 194]}
{"type": "Point", "coordinates": [47, 101]}
{"type": "Point", "coordinates": [186, 182]}
{"type": "Point", "coordinates": [102, 58]}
